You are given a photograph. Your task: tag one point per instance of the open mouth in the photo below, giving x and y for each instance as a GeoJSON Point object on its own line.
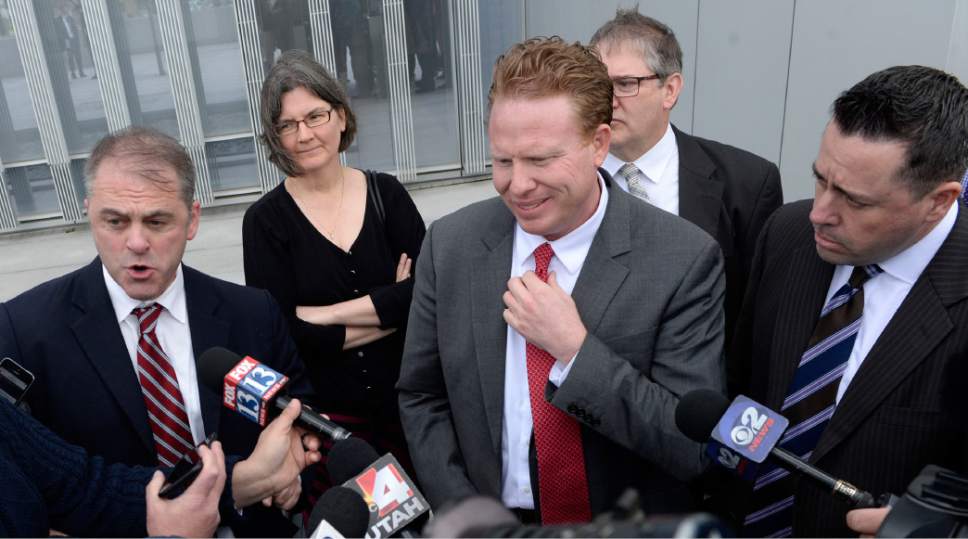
{"type": "Point", "coordinates": [139, 270]}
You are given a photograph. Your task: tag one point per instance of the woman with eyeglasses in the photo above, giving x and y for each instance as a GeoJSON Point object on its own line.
{"type": "Point", "coordinates": [335, 246]}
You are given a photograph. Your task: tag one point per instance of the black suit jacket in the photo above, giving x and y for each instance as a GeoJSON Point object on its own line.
{"type": "Point", "coordinates": [729, 193]}
{"type": "Point", "coordinates": [66, 333]}
{"type": "Point", "coordinates": [893, 419]}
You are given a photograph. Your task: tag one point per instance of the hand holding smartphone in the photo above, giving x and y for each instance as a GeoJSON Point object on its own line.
{"type": "Point", "coordinates": [184, 472]}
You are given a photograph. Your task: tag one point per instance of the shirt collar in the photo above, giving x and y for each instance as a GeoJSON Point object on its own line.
{"type": "Point", "coordinates": [172, 299]}
{"type": "Point", "coordinates": [653, 162]}
{"type": "Point", "coordinates": [910, 263]}
{"type": "Point", "coordinates": [571, 248]}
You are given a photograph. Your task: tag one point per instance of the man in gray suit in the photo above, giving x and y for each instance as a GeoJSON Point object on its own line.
{"type": "Point", "coordinates": [552, 333]}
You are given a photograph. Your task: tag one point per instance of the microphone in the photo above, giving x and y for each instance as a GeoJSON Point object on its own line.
{"type": "Point", "coordinates": [392, 497]}
{"type": "Point", "coordinates": [252, 389]}
{"type": "Point", "coordinates": [742, 434]}
{"type": "Point", "coordinates": [338, 513]}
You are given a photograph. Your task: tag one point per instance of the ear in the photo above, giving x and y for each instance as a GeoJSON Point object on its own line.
{"type": "Point", "coordinates": [940, 199]}
{"type": "Point", "coordinates": [193, 219]}
{"type": "Point", "coordinates": [670, 90]}
{"type": "Point", "coordinates": [600, 140]}
{"type": "Point", "coordinates": [341, 114]}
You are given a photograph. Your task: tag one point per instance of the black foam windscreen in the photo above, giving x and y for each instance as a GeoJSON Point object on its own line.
{"type": "Point", "coordinates": [213, 365]}
{"type": "Point", "coordinates": [348, 458]}
{"type": "Point", "coordinates": [698, 412]}
{"type": "Point", "coordinates": [343, 509]}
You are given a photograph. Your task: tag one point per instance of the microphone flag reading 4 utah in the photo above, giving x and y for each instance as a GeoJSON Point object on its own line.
{"type": "Point", "coordinates": [391, 496]}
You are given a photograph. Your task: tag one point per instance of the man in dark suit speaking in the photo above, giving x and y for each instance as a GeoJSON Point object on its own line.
{"type": "Point", "coordinates": [552, 332]}
{"type": "Point", "coordinates": [114, 345]}
{"type": "Point", "coordinates": [858, 302]}
{"type": "Point", "coordinates": [726, 191]}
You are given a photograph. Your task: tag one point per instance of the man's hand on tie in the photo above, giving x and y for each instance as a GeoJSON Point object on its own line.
{"type": "Point", "coordinates": [545, 315]}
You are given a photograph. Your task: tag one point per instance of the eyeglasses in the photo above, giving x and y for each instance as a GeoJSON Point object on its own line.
{"type": "Point", "coordinates": [629, 86]}
{"type": "Point", "coordinates": [315, 118]}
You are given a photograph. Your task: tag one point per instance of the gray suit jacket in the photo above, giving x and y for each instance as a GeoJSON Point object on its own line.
{"type": "Point", "coordinates": [650, 294]}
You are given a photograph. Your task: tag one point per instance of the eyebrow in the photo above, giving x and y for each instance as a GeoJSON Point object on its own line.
{"type": "Point", "coordinates": [856, 196]}
{"type": "Point", "coordinates": [314, 111]}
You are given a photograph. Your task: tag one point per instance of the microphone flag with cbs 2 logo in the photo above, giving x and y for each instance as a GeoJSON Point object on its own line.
{"type": "Point", "coordinates": [745, 435]}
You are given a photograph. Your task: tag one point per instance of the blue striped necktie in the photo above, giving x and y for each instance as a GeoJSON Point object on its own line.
{"type": "Point", "coordinates": [809, 404]}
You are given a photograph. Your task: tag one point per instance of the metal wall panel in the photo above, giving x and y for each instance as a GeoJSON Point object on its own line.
{"type": "Point", "coordinates": [247, 24]}
{"type": "Point", "coordinates": [175, 44]}
{"type": "Point", "coordinates": [105, 56]}
{"type": "Point", "coordinates": [8, 221]}
{"type": "Point", "coordinates": [31, 50]}
{"type": "Point", "coordinates": [470, 96]}
{"type": "Point", "coordinates": [741, 73]}
{"type": "Point", "coordinates": [401, 110]}
{"type": "Point", "coordinates": [832, 53]}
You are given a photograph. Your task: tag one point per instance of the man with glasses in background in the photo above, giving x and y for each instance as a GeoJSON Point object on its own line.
{"type": "Point", "coordinates": [726, 191]}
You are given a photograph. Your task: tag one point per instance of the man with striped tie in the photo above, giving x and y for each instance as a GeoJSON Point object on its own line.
{"type": "Point", "coordinates": [114, 345]}
{"type": "Point", "coordinates": [857, 303]}
{"type": "Point", "coordinates": [726, 191]}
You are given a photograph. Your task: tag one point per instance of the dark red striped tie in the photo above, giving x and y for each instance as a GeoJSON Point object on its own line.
{"type": "Point", "coordinates": [562, 484]}
{"type": "Point", "coordinates": [159, 386]}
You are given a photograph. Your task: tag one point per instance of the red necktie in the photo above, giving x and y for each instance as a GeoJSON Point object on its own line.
{"type": "Point", "coordinates": [159, 386]}
{"type": "Point", "coordinates": [562, 485]}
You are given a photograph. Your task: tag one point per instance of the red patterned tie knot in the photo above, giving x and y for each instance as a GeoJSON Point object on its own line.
{"type": "Point", "coordinates": [147, 317]}
{"type": "Point", "coordinates": [542, 257]}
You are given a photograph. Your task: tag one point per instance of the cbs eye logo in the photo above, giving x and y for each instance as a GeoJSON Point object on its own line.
{"type": "Point", "coordinates": [751, 422]}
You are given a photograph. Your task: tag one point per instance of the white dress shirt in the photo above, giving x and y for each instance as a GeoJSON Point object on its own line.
{"type": "Point", "coordinates": [173, 334]}
{"type": "Point", "coordinates": [570, 252]}
{"type": "Point", "coordinates": [885, 292]}
{"type": "Point", "coordinates": [661, 167]}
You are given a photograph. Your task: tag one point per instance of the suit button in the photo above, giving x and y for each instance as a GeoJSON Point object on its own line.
{"type": "Point", "coordinates": [596, 422]}
{"type": "Point", "coordinates": [369, 388]}
{"type": "Point", "coordinates": [572, 408]}
{"type": "Point", "coordinates": [353, 272]}
{"type": "Point", "coordinates": [359, 354]}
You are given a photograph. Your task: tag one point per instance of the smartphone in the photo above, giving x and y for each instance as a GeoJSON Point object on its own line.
{"type": "Point", "coordinates": [14, 381]}
{"type": "Point", "coordinates": [185, 471]}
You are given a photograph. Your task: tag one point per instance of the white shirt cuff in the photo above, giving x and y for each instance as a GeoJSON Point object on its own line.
{"type": "Point", "coordinates": [559, 373]}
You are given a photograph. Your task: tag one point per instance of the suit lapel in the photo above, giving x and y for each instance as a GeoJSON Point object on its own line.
{"type": "Point", "coordinates": [920, 324]}
{"type": "Point", "coordinates": [700, 194]}
{"type": "Point", "coordinates": [207, 331]}
{"type": "Point", "coordinates": [96, 328]}
{"type": "Point", "coordinates": [602, 274]}
{"type": "Point", "coordinates": [490, 272]}
{"type": "Point", "coordinates": [809, 279]}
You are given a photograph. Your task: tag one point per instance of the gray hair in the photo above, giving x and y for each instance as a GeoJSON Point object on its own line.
{"type": "Point", "coordinates": [656, 41]}
{"type": "Point", "coordinates": [297, 69]}
{"type": "Point", "coordinates": [149, 151]}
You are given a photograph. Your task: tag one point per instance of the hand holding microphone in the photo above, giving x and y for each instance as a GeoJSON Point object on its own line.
{"type": "Point", "coordinates": [271, 472]}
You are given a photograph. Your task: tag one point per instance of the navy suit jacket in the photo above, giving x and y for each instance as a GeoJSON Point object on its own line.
{"type": "Point", "coordinates": [66, 333]}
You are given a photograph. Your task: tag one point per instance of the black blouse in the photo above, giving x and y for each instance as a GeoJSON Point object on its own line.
{"type": "Point", "coordinates": [284, 254]}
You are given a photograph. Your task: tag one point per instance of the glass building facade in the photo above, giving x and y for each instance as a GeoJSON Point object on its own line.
{"type": "Point", "coordinates": [74, 70]}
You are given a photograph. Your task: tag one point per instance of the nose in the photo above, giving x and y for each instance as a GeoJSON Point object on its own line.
{"type": "Point", "coordinates": [520, 181]}
{"type": "Point", "coordinates": [137, 241]}
{"type": "Point", "coordinates": [303, 132]}
{"type": "Point", "coordinates": [822, 213]}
